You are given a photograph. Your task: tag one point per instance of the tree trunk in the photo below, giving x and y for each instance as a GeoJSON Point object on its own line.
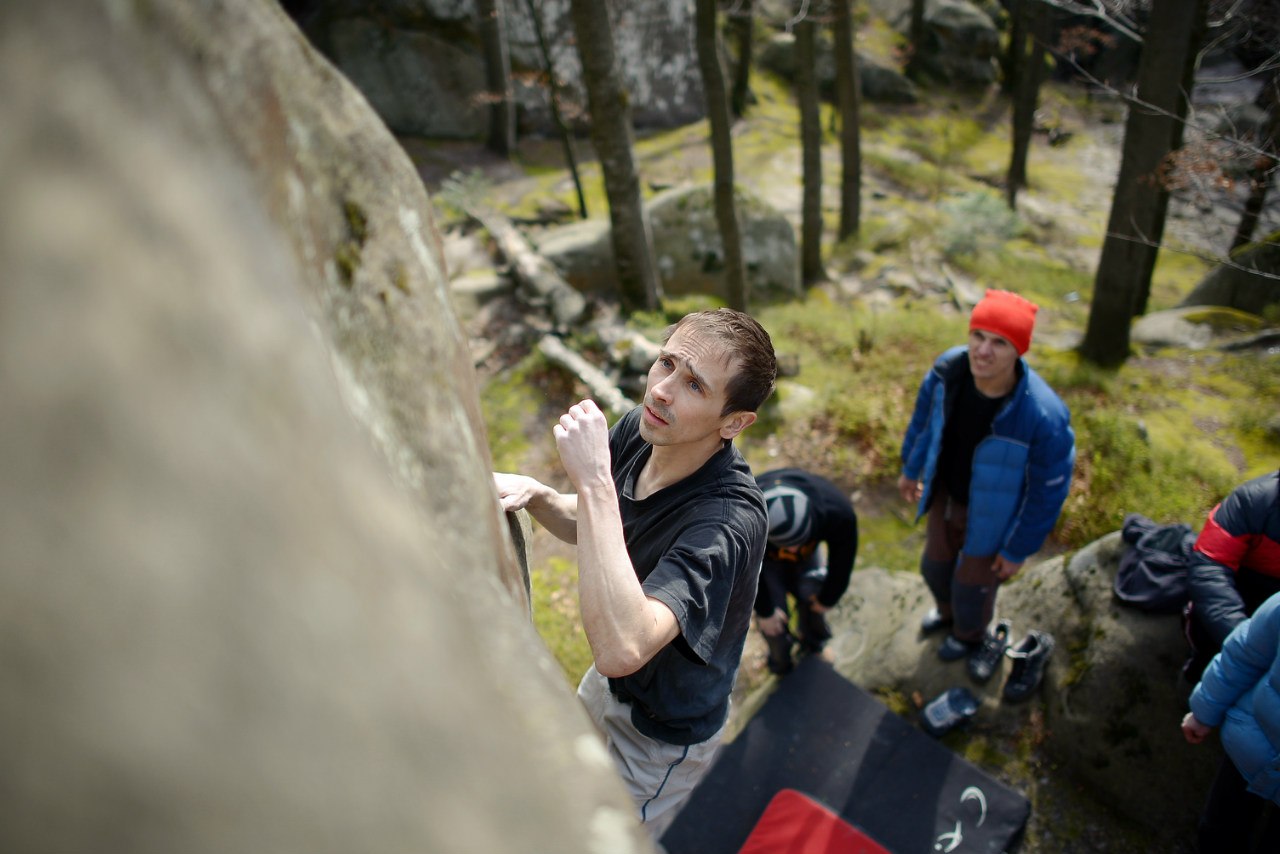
{"type": "Point", "coordinates": [1011, 64]}
{"type": "Point", "coordinates": [1260, 175]}
{"type": "Point", "coordinates": [1035, 29]}
{"type": "Point", "coordinates": [848, 97]}
{"type": "Point", "coordinates": [553, 99]}
{"type": "Point", "coordinates": [611, 134]}
{"type": "Point", "coordinates": [1152, 131]}
{"type": "Point", "coordinates": [708, 45]}
{"type": "Point", "coordinates": [497, 69]}
{"type": "Point", "coordinates": [811, 147]}
{"type": "Point", "coordinates": [915, 36]}
{"type": "Point", "coordinates": [743, 27]}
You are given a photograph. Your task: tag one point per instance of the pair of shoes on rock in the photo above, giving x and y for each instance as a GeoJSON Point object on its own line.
{"type": "Point", "coordinates": [1030, 656]}
{"type": "Point", "coordinates": [779, 661]}
{"type": "Point", "coordinates": [986, 659]}
{"type": "Point", "coordinates": [934, 621]}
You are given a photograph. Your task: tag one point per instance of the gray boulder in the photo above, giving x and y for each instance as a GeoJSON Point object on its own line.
{"type": "Point", "coordinates": [878, 82]}
{"type": "Point", "coordinates": [257, 592]}
{"type": "Point", "coordinates": [1249, 283]}
{"type": "Point", "coordinates": [686, 239]}
{"type": "Point", "coordinates": [1112, 697]}
{"type": "Point", "coordinates": [961, 44]}
{"type": "Point", "coordinates": [1194, 327]}
{"type": "Point", "coordinates": [421, 65]}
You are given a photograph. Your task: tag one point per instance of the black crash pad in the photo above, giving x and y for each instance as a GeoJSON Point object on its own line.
{"type": "Point", "coordinates": [821, 735]}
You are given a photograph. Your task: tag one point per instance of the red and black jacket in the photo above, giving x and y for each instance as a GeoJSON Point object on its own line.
{"type": "Point", "coordinates": [1236, 562]}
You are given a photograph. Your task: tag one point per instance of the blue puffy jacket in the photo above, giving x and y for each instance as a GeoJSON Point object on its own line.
{"type": "Point", "coordinates": [1021, 472]}
{"type": "Point", "coordinates": [1240, 692]}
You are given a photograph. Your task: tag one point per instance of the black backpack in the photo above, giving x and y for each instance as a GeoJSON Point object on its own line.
{"type": "Point", "coordinates": [1153, 568]}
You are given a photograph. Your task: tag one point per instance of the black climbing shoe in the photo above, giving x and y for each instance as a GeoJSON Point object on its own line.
{"type": "Point", "coordinates": [1029, 659]}
{"type": "Point", "coordinates": [954, 649]}
{"type": "Point", "coordinates": [986, 660]}
{"type": "Point", "coordinates": [934, 621]}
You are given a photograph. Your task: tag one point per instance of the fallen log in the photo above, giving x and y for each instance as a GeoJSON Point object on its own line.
{"type": "Point", "coordinates": [537, 280]}
{"type": "Point", "coordinates": [602, 390]}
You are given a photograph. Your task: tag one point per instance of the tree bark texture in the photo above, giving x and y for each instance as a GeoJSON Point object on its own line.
{"type": "Point", "coordinates": [553, 100]}
{"type": "Point", "coordinates": [1033, 33]}
{"type": "Point", "coordinates": [1264, 167]}
{"type": "Point", "coordinates": [497, 68]}
{"type": "Point", "coordinates": [1011, 64]}
{"type": "Point", "coordinates": [1136, 225]}
{"type": "Point", "coordinates": [811, 154]}
{"type": "Point", "coordinates": [743, 25]}
{"type": "Point", "coordinates": [607, 101]}
{"type": "Point", "coordinates": [708, 45]}
{"type": "Point", "coordinates": [848, 100]}
{"type": "Point", "coordinates": [915, 35]}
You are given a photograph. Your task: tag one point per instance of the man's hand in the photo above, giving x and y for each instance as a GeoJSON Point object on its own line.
{"type": "Point", "coordinates": [582, 437]}
{"type": "Point", "coordinates": [1005, 569]}
{"type": "Point", "coordinates": [909, 489]}
{"type": "Point", "coordinates": [1194, 731]}
{"type": "Point", "coordinates": [516, 491]}
{"type": "Point", "coordinates": [774, 624]}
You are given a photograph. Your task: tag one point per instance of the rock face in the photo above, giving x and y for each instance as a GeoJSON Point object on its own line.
{"type": "Point", "coordinates": [686, 241]}
{"type": "Point", "coordinates": [961, 44]}
{"type": "Point", "coordinates": [257, 591]}
{"type": "Point", "coordinates": [1249, 284]}
{"type": "Point", "coordinates": [420, 64]}
{"type": "Point", "coordinates": [1112, 697]}
{"type": "Point", "coordinates": [878, 82]}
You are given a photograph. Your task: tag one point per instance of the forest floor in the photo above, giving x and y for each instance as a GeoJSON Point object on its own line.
{"type": "Point", "coordinates": [1064, 818]}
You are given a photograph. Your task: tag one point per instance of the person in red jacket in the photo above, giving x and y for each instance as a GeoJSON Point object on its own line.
{"type": "Point", "coordinates": [1235, 566]}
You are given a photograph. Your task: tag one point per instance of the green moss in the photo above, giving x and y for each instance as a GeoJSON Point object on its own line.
{"type": "Point", "coordinates": [505, 403]}
{"type": "Point", "coordinates": [357, 221]}
{"type": "Point", "coordinates": [557, 618]}
{"type": "Point", "coordinates": [347, 259]}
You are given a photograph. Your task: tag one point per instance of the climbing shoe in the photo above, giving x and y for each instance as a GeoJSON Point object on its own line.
{"type": "Point", "coordinates": [954, 649]}
{"type": "Point", "coordinates": [1030, 656]}
{"type": "Point", "coordinates": [934, 621]}
{"type": "Point", "coordinates": [950, 709]}
{"type": "Point", "coordinates": [987, 658]}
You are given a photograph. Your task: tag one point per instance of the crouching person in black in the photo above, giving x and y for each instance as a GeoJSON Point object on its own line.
{"type": "Point", "coordinates": [804, 510]}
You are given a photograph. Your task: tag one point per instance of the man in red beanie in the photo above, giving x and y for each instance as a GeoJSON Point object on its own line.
{"type": "Point", "coordinates": [988, 457]}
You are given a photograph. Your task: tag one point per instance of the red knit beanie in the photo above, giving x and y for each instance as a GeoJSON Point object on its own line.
{"type": "Point", "coordinates": [1007, 315]}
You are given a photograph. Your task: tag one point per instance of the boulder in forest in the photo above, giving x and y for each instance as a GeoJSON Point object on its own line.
{"type": "Point", "coordinates": [258, 592]}
{"type": "Point", "coordinates": [1112, 697]}
{"type": "Point", "coordinates": [421, 64]}
{"type": "Point", "coordinates": [1251, 282]}
{"type": "Point", "coordinates": [686, 241]}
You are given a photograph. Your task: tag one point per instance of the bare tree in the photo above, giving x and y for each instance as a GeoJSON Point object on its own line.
{"type": "Point", "coordinates": [915, 36]}
{"type": "Point", "coordinates": [708, 45]}
{"type": "Point", "coordinates": [611, 134]}
{"type": "Point", "coordinates": [497, 68]}
{"type": "Point", "coordinates": [553, 99]}
{"type": "Point", "coordinates": [848, 101]}
{"type": "Point", "coordinates": [1152, 131]}
{"type": "Point", "coordinates": [1265, 163]}
{"type": "Point", "coordinates": [1028, 57]}
{"type": "Point", "coordinates": [811, 151]}
{"type": "Point", "coordinates": [743, 18]}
